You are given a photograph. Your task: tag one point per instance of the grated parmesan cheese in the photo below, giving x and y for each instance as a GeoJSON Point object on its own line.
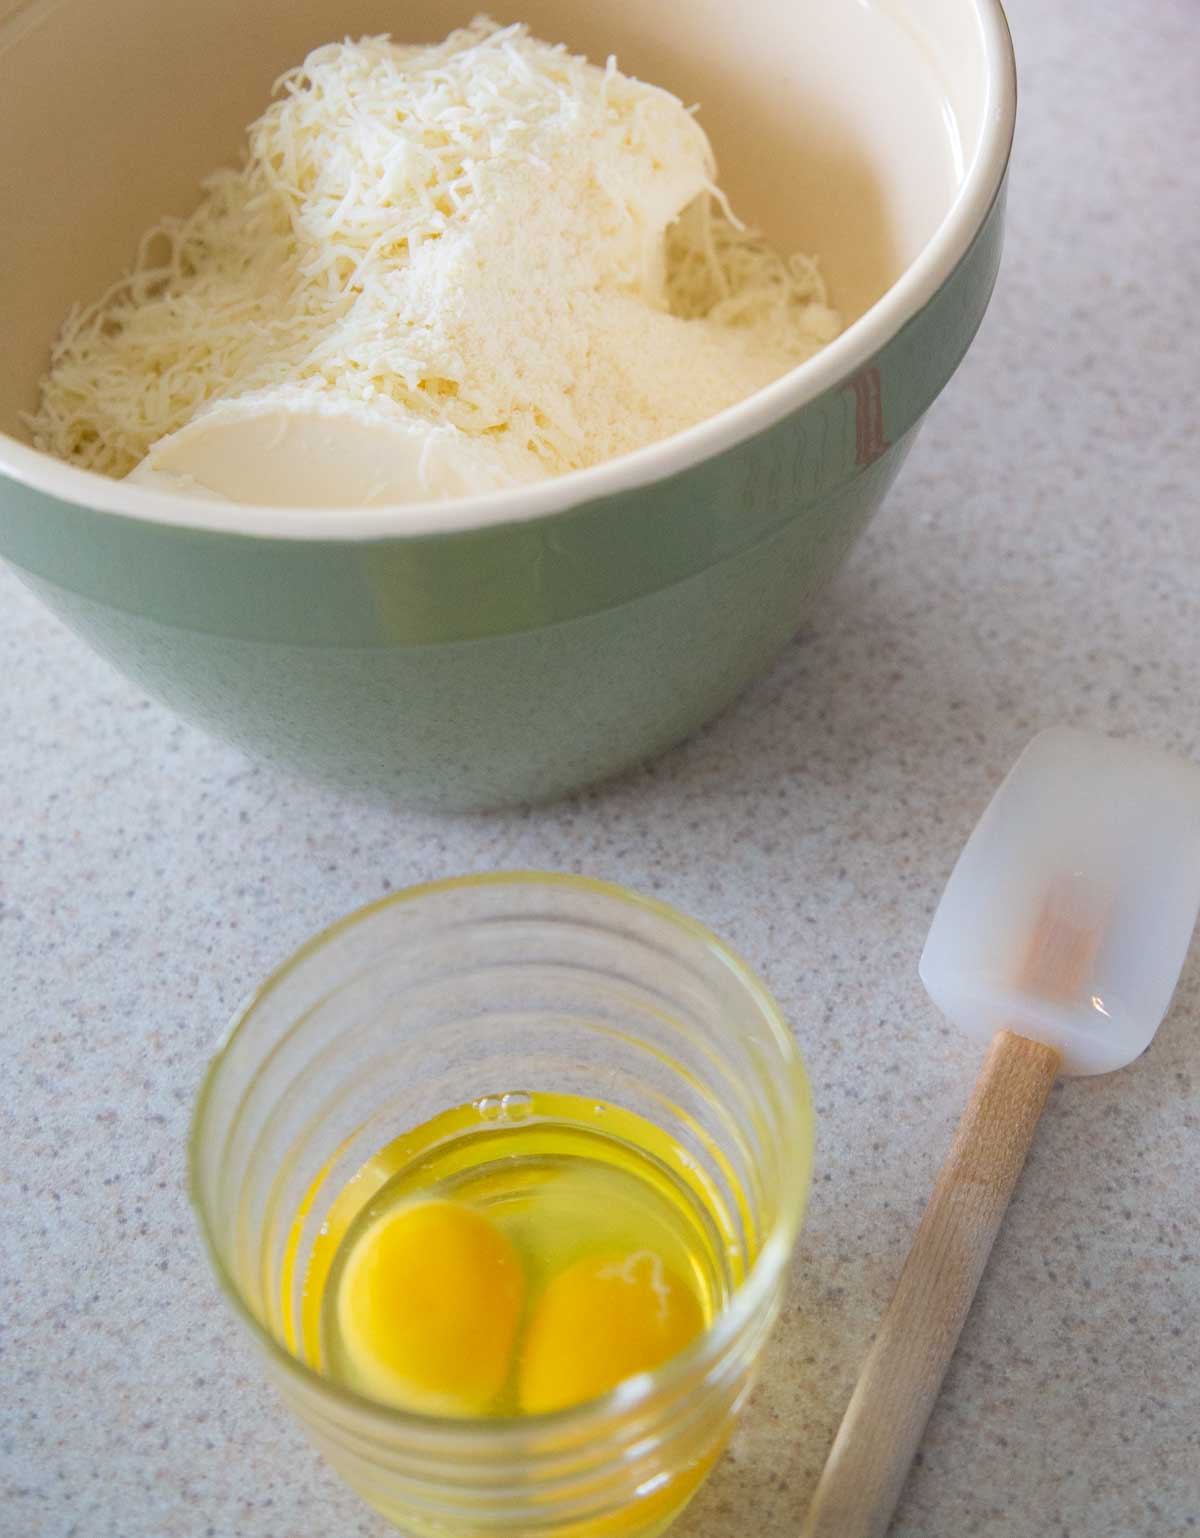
{"type": "Point", "coordinates": [490, 236]}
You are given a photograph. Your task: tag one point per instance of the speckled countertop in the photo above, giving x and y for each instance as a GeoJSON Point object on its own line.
{"type": "Point", "coordinates": [1038, 562]}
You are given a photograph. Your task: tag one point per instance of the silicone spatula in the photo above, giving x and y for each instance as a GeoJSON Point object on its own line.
{"type": "Point", "coordinates": [1059, 941]}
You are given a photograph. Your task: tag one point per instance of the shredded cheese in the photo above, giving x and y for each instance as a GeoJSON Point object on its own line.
{"type": "Point", "coordinates": [489, 234]}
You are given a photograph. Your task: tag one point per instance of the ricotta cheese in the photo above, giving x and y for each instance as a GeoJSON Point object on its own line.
{"type": "Point", "coordinates": [439, 269]}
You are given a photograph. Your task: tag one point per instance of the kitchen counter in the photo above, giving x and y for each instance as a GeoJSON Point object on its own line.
{"type": "Point", "coordinates": [1038, 562]}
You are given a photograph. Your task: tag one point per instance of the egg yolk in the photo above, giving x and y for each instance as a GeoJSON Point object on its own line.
{"type": "Point", "coordinates": [429, 1306]}
{"type": "Point", "coordinates": [600, 1321]}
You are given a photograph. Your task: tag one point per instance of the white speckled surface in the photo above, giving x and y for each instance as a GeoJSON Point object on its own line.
{"type": "Point", "coordinates": [1037, 563]}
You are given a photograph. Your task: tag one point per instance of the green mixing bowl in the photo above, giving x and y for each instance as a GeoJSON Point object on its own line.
{"type": "Point", "coordinates": [507, 647]}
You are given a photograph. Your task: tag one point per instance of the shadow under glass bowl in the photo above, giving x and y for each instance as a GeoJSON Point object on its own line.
{"type": "Point", "coordinates": [514, 646]}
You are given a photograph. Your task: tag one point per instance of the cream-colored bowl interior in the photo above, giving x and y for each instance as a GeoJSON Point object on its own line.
{"type": "Point", "coordinates": [844, 127]}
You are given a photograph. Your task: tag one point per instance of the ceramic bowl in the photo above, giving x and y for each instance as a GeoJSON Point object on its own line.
{"type": "Point", "coordinates": [506, 647]}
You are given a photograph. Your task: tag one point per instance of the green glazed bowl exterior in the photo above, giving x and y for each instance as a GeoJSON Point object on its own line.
{"type": "Point", "coordinates": [516, 661]}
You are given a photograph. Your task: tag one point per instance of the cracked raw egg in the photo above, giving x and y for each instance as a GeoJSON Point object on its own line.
{"type": "Point", "coordinates": [601, 1320]}
{"type": "Point", "coordinates": [429, 1307]}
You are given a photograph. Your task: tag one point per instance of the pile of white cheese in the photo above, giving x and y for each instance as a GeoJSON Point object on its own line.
{"type": "Point", "coordinates": [439, 270]}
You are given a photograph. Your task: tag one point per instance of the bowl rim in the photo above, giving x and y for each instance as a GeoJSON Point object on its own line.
{"type": "Point", "coordinates": [836, 361]}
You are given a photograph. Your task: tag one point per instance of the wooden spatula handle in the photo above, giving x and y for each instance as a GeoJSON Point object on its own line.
{"type": "Point", "coordinates": [883, 1425]}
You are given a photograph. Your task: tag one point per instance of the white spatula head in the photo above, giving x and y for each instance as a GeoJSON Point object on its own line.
{"type": "Point", "coordinates": [1070, 911]}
